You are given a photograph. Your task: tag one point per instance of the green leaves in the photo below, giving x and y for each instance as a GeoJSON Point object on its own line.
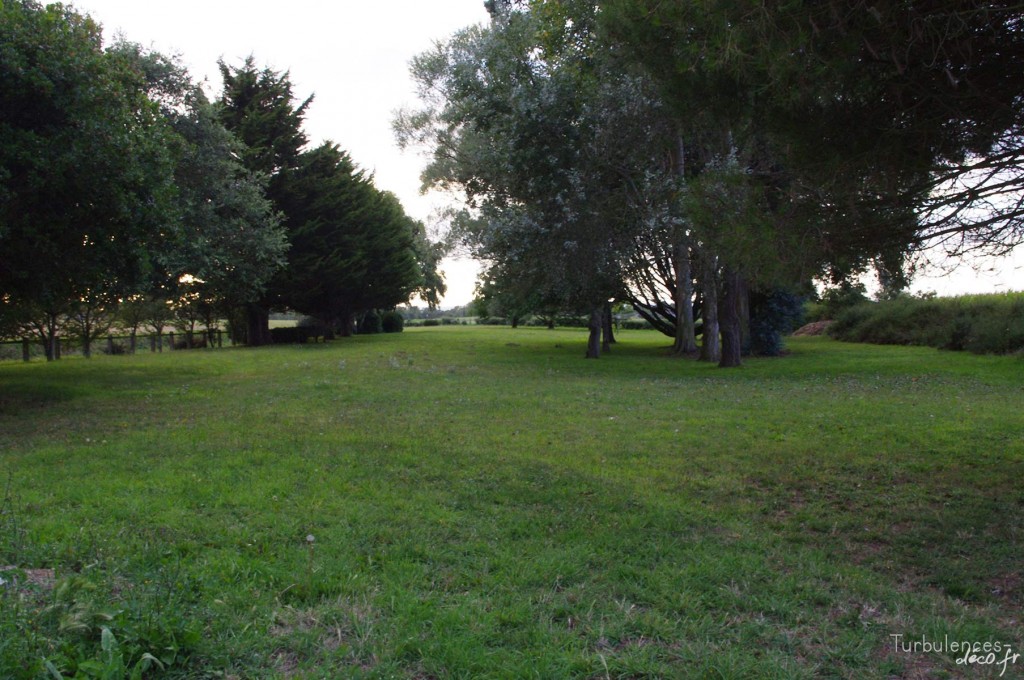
{"type": "Point", "coordinates": [83, 159]}
{"type": "Point", "coordinates": [353, 247]}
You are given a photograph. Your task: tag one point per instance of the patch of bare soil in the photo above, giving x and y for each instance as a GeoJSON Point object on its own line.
{"type": "Point", "coordinates": [813, 328]}
{"type": "Point", "coordinates": [24, 578]}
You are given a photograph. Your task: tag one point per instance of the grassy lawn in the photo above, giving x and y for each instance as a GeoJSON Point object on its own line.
{"type": "Point", "coordinates": [484, 503]}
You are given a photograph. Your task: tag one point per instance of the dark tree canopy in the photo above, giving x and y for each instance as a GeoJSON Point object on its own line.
{"type": "Point", "coordinates": [259, 107]}
{"type": "Point", "coordinates": [85, 172]}
{"type": "Point", "coordinates": [224, 234]}
{"type": "Point", "coordinates": [893, 124]}
{"type": "Point", "coordinates": [352, 245]}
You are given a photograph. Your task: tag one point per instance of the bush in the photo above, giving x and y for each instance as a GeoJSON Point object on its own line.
{"type": "Point", "coordinates": [431, 322]}
{"type": "Point", "coordinates": [636, 325]}
{"type": "Point", "coordinates": [289, 335]}
{"type": "Point", "coordinates": [815, 311]}
{"type": "Point", "coordinates": [773, 315]}
{"type": "Point", "coordinates": [371, 324]}
{"type": "Point", "coordinates": [298, 335]}
{"type": "Point", "coordinates": [983, 324]}
{"type": "Point", "coordinates": [116, 348]}
{"type": "Point", "coordinates": [393, 322]}
{"type": "Point", "coordinates": [835, 300]}
{"type": "Point", "coordinates": [491, 321]}
{"type": "Point", "coordinates": [573, 321]}
{"type": "Point", "coordinates": [198, 341]}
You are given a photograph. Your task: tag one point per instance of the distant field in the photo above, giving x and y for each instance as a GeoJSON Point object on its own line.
{"type": "Point", "coordinates": [484, 503]}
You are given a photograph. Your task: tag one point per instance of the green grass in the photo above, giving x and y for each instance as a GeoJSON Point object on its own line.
{"type": "Point", "coordinates": [487, 504]}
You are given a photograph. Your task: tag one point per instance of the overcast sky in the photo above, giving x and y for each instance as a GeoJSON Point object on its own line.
{"type": "Point", "coordinates": [354, 56]}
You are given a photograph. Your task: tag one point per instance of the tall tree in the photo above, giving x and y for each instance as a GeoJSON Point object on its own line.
{"type": "Point", "coordinates": [85, 172]}
{"type": "Point", "coordinates": [353, 247]}
{"type": "Point", "coordinates": [896, 124]}
{"type": "Point", "coordinates": [227, 237]}
{"type": "Point", "coordinates": [259, 107]}
{"type": "Point", "coordinates": [541, 137]}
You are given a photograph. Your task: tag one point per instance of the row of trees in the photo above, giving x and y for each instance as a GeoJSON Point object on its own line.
{"type": "Point", "coordinates": [123, 186]}
{"type": "Point", "coordinates": [699, 158]}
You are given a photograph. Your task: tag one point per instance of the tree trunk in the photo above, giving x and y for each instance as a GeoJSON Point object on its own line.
{"type": "Point", "coordinates": [686, 330]}
{"type": "Point", "coordinates": [258, 325]}
{"type": "Point", "coordinates": [709, 348]}
{"type": "Point", "coordinates": [47, 330]}
{"type": "Point", "coordinates": [729, 318]}
{"type": "Point", "coordinates": [744, 311]}
{"type": "Point", "coordinates": [594, 341]}
{"type": "Point", "coordinates": [607, 333]}
{"type": "Point", "coordinates": [346, 324]}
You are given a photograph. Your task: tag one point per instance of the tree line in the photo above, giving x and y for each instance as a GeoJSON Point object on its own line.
{"type": "Point", "coordinates": [706, 161]}
{"type": "Point", "coordinates": [125, 189]}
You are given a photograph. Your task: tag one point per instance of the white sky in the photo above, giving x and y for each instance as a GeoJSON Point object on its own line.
{"type": "Point", "coordinates": [354, 56]}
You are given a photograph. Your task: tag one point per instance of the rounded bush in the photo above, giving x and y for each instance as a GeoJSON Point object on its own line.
{"type": "Point", "coordinates": [371, 324]}
{"type": "Point", "coordinates": [393, 322]}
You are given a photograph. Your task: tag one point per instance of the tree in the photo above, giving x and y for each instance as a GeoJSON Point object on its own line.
{"type": "Point", "coordinates": [428, 257]}
{"type": "Point", "coordinates": [353, 247]}
{"type": "Point", "coordinates": [85, 173]}
{"type": "Point", "coordinates": [895, 125]}
{"type": "Point", "coordinates": [259, 108]}
{"type": "Point", "coordinates": [539, 135]}
{"type": "Point", "coordinates": [226, 239]}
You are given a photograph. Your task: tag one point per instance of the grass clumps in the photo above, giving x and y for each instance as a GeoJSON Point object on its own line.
{"type": "Point", "coordinates": [982, 324]}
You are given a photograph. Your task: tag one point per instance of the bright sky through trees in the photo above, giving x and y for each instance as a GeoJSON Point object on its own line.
{"type": "Point", "coordinates": [354, 56]}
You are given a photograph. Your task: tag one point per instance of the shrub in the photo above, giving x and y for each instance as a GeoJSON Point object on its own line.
{"type": "Point", "coordinates": [491, 321]}
{"type": "Point", "coordinates": [431, 322]}
{"type": "Point", "coordinates": [289, 335]}
{"type": "Point", "coordinates": [835, 300]}
{"type": "Point", "coordinates": [116, 348]}
{"type": "Point", "coordinates": [198, 341]}
{"type": "Point", "coordinates": [982, 324]}
{"type": "Point", "coordinates": [393, 322]}
{"type": "Point", "coordinates": [815, 311]}
{"type": "Point", "coordinates": [371, 324]}
{"type": "Point", "coordinates": [636, 325]}
{"type": "Point", "coordinates": [773, 315]}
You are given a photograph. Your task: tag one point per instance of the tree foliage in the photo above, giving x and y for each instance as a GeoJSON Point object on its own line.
{"type": "Point", "coordinates": [353, 247]}
{"type": "Point", "coordinates": [226, 236]}
{"type": "Point", "coordinates": [891, 125]}
{"type": "Point", "coordinates": [86, 176]}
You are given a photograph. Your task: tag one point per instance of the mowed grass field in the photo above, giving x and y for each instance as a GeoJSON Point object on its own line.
{"type": "Point", "coordinates": [485, 503]}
